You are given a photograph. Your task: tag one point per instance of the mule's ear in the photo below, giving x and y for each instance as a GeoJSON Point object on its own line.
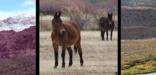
{"type": "Point", "coordinates": [59, 13]}
{"type": "Point", "coordinates": [56, 15]}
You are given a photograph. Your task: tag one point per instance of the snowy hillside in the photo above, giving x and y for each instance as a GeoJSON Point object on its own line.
{"type": "Point", "coordinates": [17, 23]}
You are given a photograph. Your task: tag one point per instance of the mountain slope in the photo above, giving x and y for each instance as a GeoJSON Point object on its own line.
{"type": "Point", "coordinates": [17, 23]}
{"type": "Point", "coordinates": [18, 43]}
{"type": "Point", "coordinates": [138, 19]}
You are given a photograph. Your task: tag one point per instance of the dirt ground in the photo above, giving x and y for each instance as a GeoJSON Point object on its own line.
{"type": "Point", "coordinates": [100, 57]}
{"type": "Point", "coordinates": [20, 65]}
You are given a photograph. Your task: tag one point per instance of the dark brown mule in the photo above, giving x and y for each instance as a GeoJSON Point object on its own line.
{"type": "Point", "coordinates": [65, 35]}
{"type": "Point", "coordinates": [105, 25]}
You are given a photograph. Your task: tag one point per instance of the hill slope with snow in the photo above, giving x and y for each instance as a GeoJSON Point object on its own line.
{"type": "Point", "coordinates": [17, 23]}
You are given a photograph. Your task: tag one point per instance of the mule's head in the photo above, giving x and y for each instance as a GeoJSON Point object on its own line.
{"type": "Point", "coordinates": [110, 15]}
{"type": "Point", "coordinates": [57, 24]}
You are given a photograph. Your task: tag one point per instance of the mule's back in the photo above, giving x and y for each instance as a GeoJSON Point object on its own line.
{"type": "Point", "coordinates": [71, 26]}
{"type": "Point", "coordinates": [103, 23]}
{"type": "Point", "coordinates": [73, 32]}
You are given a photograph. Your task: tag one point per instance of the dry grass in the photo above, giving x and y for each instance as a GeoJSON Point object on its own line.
{"type": "Point", "coordinates": [100, 57]}
{"type": "Point", "coordinates": [136, 53]}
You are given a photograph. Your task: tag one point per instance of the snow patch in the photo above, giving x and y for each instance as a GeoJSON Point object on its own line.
{"type": "Point", "coordinates": [15, 27]}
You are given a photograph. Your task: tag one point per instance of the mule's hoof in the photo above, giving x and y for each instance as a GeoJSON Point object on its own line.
{"type": "Point", "coordinates": [81, 64]}
{"type": "Point", "coordinates": [70, 64]}
{"type": "Point", "coordinates": [63, 65]}
{"type": "Point", "coordinates": [55, 66]}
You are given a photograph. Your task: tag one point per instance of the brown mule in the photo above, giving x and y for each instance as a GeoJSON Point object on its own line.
{"type": "Point", "coordinates": [105, 25]}
{"type": "Point", "coordinates": [65, 35]}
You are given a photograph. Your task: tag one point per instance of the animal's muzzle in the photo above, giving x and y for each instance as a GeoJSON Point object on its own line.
{"type": "Point", "coordinates": [62, 32]}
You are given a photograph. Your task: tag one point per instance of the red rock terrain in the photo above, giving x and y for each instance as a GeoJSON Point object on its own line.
{"type": "Point", "coordinates": [18, 43]}
{"type": "Point", "coordinates": [18, 66]}
{"type": "Point", "coordinates": [17, 52]}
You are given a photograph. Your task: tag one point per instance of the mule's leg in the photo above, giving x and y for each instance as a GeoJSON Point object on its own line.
{"type": "Point", "coordinates": [107, 35]}
{"type": "Point", "coordinates": [111, 34]}
{"type": "Point", "coordinates": [80, 53]}
{"type": "Point", "coordinates": [102, 35]}
{"type": "Point", "coordinates": [70, 56]}
{"type": "Point", "coordinates": [75, 49]}
{"type": "Point", "coordinates": [63, 56]}
{"type": "Point", "coordinates": [112, 31]}
{"type": "Point", "coordinates": [56, 55]}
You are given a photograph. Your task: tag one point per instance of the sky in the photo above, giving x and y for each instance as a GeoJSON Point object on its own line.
{"type": "Point", "coordinates": [10, 8]}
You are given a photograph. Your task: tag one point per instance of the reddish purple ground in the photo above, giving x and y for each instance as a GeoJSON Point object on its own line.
{"type": "Point", "coordinates": [18, 43]}
{"type": "Point", "coordinates": [17, 52]}
{"type": "Point", "coordinates": [18, 66]}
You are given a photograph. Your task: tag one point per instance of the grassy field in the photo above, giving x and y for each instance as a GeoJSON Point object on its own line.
{"type": "Point", "coordinates": [100, 57]}
{"type": "Point", "coordinates": [138, 56]}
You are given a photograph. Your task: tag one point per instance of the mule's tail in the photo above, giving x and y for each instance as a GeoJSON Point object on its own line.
{"type": "Point", "coordinates": [75, 49]}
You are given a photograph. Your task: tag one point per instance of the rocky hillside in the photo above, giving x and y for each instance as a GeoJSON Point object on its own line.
{"type": "Point", "coordinates": [22, 65]}
{"type": "Point", "coordinates": [138, 19]}
{"type": "Point", "coordinates": [21, 43]}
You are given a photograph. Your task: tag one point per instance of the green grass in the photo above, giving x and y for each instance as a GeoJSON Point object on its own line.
{"type": "Point", "coordinates": [138, 56]}
{"type": "Point", "coordinates": [148, 67]}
